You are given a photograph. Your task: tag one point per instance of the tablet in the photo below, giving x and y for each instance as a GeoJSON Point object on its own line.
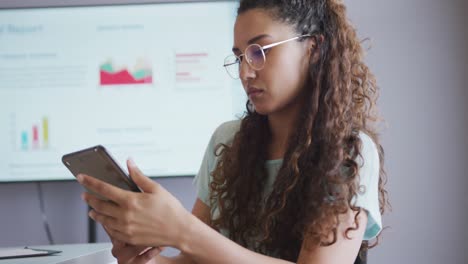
{"type": "Point", "coordinates": [97, 162]}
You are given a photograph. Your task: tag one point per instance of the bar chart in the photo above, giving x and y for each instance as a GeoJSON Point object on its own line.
{"type": "Point", "coordinates": [33, 137]}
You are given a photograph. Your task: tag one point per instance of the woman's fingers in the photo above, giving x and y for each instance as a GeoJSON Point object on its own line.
{"type": "Point", "coordinates": [123, 251]}
{"type": "Point", "coordinates": [109, 191]}
{"type": "Point", "coordinates": [102, 207]}
{"type": "Point", "coordinates": [127, 252]}
{"type": "Point", "coordinates": [116, 234]}
{"type": "Point", "coordinates": [147, 256]}
{"type": "Point", "coordinates": [150, 218]}
{"type": "Point", "coordinates": [145, 183]}
{"type": "Point", "coordinates": [108, 221]}
{"type": "Point", "coordinates": [114, 241]}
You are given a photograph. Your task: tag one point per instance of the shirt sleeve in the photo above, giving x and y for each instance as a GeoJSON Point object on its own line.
{"type": "Point", "coordinates": [202, 179]}
{"type": "Point", "coordinates": [368, 195]}
{"type": "Point", "coordinates": [223, 134]}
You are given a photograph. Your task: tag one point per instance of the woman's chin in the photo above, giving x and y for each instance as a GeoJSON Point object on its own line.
{"type": "Point", "coordinates": [262, 110]}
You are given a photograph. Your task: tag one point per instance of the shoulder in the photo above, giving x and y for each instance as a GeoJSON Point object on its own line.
{"type": "Point", "coordinates": [369, 152]}
{"type": "Point", "coordinates": [225, 132]}
{"type": "Point", "coordinates": [369, 175]}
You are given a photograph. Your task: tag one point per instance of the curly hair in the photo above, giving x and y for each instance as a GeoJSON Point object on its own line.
{"type": "Point", "coordinates": [319, 175]}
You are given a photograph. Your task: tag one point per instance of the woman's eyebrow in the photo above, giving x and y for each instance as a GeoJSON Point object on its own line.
{"type": "Point", "coordinates": [251, 41]}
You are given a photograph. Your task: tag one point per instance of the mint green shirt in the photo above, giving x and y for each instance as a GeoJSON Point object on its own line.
{"type": "Point", "coordinates": [368, 173]}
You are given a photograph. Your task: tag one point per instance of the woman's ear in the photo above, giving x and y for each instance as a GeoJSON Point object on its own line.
{"type": "Point", "coordinates": [314, 46]}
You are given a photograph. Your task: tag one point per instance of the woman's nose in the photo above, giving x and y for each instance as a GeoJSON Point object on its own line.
{"type": "Point", "coordinates": [246, 71]}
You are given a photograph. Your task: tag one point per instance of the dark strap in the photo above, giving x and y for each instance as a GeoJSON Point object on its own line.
{"type": "Point", "coordinates": [362, 256]}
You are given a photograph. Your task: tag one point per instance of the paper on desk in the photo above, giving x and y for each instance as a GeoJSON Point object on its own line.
{"type": "Point", "coordinates": [16, 252]}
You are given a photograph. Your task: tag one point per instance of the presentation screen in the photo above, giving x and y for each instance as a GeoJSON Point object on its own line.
{"type": "Point", "coordinates": [145, 81]}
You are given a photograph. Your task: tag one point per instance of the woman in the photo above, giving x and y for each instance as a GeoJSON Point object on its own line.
{"type": "Point", "coordinates": [298, 179]}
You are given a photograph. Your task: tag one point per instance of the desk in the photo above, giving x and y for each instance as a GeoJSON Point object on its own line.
{"type": "Point", "coordinates": [71, 254]}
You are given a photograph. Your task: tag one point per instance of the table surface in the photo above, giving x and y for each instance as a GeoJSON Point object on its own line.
{"type": "Point", "coordinates": [71, 254]}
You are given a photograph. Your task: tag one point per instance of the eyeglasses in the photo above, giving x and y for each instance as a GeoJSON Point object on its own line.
{"type": "Point", "coordinates": [255, 56]}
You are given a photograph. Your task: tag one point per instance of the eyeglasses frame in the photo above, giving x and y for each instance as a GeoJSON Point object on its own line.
{"type": "Point", "coordinates": [263, 49]}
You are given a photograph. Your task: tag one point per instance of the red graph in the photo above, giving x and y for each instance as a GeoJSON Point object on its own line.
{"type": "Point", "coordinates": [122, 77]}
{"type": "Point", "coordinates": [111, 74]}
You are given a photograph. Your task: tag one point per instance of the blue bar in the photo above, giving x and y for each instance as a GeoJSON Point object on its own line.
{"type": "Point", "coordinates": [24, 140]}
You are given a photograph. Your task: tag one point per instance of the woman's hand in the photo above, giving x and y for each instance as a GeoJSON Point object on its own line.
{"type": "Point", "coordinates": [128, 254]}
{"type": "Point", "coordinates": [153, 218]}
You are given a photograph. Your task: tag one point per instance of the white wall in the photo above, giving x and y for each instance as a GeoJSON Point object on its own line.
{"type": "Point", "coordinates": [420, 57]}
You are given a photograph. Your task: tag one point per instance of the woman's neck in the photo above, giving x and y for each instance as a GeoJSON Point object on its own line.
{"type": "Point", "coordinates": [282, 124]}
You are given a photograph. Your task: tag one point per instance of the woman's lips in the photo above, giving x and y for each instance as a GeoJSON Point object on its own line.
{"type": "Point", "coordinates": [254, 92]}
